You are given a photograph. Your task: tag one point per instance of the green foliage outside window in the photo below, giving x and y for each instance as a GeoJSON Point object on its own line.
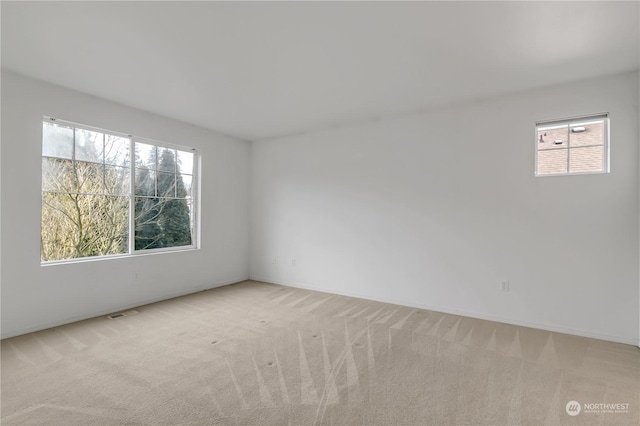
{"type": "Point", "coordinates": [87, 181]}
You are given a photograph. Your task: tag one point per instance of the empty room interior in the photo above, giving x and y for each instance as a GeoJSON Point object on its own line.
{"type": "Point", "coordinates": [315, 213]}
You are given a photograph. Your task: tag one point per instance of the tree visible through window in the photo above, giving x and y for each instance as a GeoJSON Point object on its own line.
{"type": "Point", "coordinates": [162, 195]}
{"type": "Point", "coordinates": [107, 194]}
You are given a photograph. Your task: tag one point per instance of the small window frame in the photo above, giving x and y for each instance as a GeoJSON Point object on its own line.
{"type": "Point", "coordinates": [573, 121]}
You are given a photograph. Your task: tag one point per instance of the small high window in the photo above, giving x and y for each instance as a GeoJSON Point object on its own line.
{"type": "Point", "coordinates": [573, 146]}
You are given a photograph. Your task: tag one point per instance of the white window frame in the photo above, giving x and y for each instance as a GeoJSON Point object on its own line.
{"type": "Point", "coordinates": [195, 195]}
{"type": "Point", "coordinates": [574, 121]}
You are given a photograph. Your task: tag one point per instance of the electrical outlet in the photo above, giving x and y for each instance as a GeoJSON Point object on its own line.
{"type": "Point", "coordinates": [293, 263]}
{"type": "Point", "coordinates": [135, 276]}
{"type": "Point", "coordinates": [504, 285]}
{"type": "Point", "coordinates": [275, 261]}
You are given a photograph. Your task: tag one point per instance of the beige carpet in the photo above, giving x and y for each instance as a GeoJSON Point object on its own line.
{"type": "Point", "coordinates": [262, 354]}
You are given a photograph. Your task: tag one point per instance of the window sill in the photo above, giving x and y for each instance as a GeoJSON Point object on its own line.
{"type": "Point", "coordinates": [119, 256]}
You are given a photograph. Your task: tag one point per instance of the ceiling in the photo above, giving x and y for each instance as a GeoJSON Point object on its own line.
{"type": "Point", "coordinates": [258, 70]}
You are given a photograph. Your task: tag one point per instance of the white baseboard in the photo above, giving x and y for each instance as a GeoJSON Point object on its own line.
{"type": "Point", "coordinates": [454, 311]}
{"type": "Point", "coordinates": [69, 320]}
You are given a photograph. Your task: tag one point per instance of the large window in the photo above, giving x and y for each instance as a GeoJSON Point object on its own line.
{"type": "Point", "coordinates": [105, 194]}
{"type": "Point", "coordinates": [574, 146]}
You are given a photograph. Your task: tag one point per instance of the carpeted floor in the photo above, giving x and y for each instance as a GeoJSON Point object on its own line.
{"type": "Point", "coordinates": [263, 354]}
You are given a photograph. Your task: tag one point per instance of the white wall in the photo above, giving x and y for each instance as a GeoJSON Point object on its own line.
{"type": "Point", "coordinates": [430, 210]}
{"type": "Point", "coordinates": [36, 297]}
{"type": "Point", "coordinates": [434, 209]}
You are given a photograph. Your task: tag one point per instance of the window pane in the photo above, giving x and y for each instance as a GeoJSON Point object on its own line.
{"type": "Point", "coordinates": [146, 155]}
{"type": "Point", "coordinates": [162, 222]}
{"type": "Point", "coordinates": [166, 185]}
{"type": "Point", "coordinates": [76, 226]}
{"type": "Point", "coordinates": [551, 138]}
{"type": "Point", "coordinates": [90, 177]}
{"type": "Point", "coordinates": [167, 160]}
{"type": "Point", "coordinates": [57, 141]}
{"type": "Point", "coordinates": [116, 150]}
{"type": "Point", "coordinates": [185, 162]}
{"type": "Point", "coordinates": [148, 233]}
{"type": "Point", "coordinates": [587, 159]}
{"type": "Point", "coordinates": [145, 183]}
{"type": "Point", "coordinates": [89, 146]}
{"type": "Point", "coordinates": [183, 186]}
{"type": "Point", "coordinates": [116, 180]}
{"type": "Point", "coordinates": [590, 134]}
{"type": "Point", "coordinates": [552, 161]}
{"type": "Point", "coordinates": [57, 175]}
{"type": "Point", "coordinates": [176, 223]}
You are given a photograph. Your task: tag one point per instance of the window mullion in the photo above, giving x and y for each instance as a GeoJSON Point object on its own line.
{"type": "Point", "coordinates": [132, 200]}
{"type": "Point", "coordinates": [568, 149]}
